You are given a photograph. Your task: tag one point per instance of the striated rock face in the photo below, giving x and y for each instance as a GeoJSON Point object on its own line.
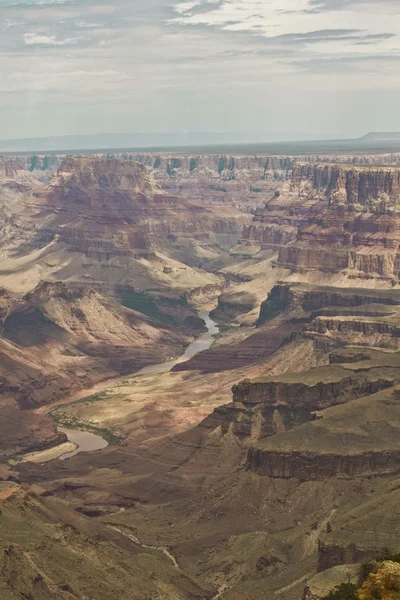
{"type": "Point", "coordinates": [49, 550]}
{"type": "Point", "coordinates": [361, 533]}
{"type": "Point", "coordinates": [107, 224]}
{"type": "Point", "coordinates": [357, 232]}
{"type": "Point", "coordinates": [93, 182]}
{"type": "Point", "coordinates": [107, 202]}
{"type": "Point", "coordinates": [60, 338]}
{"type": "Point", "coordinates": [10, 165]}
{"type": "Point", "coordinates": [227, 357]}
{"type": "Point", "coordinates": [113, 210]}
{"type": "Point", "coordinates": [277, 226]}
{"type": "Point", "coordinates": [366, 331]}
{"type": "Point", "coordinates": [323, 387]}
{"type": "Point", "coordinates": [309, 467]}
{"type": "Point", "coordinates": [289, 420]}
{"type": "Point", "coordinates": [334, 219]}
{"type": "Point", "coordinates": [266, 407]}
{"type": "Point", "coordinates": [358, 438]}
{"type": "Point", "coordinates": [214, 179]}
{"type": "Point", "coordinates": [286, 296]}
{"type": "Point", "coordinates": [351, 186]}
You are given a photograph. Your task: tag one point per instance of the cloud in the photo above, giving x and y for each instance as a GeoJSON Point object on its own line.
{"type": "Point", "coordinates": [33, 39]}
{"type": "Point", "coordinates": [330, 5]}
{"type": "Point", "coordinates": [32, 2]}
{"type": "Point", "coordinates": [164, 64]}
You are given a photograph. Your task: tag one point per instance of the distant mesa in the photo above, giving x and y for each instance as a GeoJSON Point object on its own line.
{"type": "Point", "coordinates": [384, 136]}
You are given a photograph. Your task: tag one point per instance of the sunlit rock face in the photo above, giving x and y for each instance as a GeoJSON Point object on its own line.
{"type": "Point", "coordinates": [334, 219]}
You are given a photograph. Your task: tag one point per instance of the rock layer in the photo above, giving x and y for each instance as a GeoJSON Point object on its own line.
{"type": "Point", "coordinates": [334, 219]}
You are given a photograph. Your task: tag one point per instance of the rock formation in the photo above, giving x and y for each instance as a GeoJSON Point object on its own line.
{"type": "Point", "coordinates": [76, 336]}
{"type": "Point", "coordinates": [334, 219]}
{"type": "Point", "coordinates": [297, 475]}
{"type": "Point", "coordinates": [108, 224]}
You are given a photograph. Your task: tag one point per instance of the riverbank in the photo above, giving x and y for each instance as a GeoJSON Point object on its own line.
{"type": "Point", "coordinates": [88, 436]}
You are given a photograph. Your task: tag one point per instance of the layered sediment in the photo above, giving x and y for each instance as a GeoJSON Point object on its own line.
{"type": "Point", "coordinates": [334, 219]}
{"type": "Point", "coordinates": [357, 233]}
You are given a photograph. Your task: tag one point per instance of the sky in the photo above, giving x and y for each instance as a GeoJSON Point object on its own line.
{"type": "Point", "coordinates": [91, 66]}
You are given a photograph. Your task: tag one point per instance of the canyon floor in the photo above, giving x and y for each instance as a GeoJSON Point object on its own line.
{"type": "Point", "coordinates": [265, 462]}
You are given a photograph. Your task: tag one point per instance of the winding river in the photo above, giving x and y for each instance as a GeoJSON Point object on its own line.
{"type": "Point", "coordinates": [88, 442]}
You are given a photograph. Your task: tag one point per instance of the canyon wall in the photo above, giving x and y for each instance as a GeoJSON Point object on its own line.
{"type": "Point", "coordinates": [334, 219]}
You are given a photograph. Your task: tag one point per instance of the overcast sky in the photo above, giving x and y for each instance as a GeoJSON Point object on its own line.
{"type": "Point", "coordinates": [90, 66]}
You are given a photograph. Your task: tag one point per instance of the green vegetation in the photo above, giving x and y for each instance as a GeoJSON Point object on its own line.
{"type": "Point", "coordinates": [127, 383]}
{"type": "Point", "coordinates": [64, 418]}
{"type": "Point", "coordinates": [345, 591]}
{"type": "Point", "coordinates": [372, 580]}
{"type": "Point", "coordinates": [387, 555]}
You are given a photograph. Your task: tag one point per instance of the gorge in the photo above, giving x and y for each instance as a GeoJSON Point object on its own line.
{"type": "Point", "coordinates": [89, 442]}
{"type": "Point", "coordinates": [265, 460]}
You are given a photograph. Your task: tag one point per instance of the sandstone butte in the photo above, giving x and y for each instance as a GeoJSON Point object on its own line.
{"type": "Point", "coordinates": [264, 467]}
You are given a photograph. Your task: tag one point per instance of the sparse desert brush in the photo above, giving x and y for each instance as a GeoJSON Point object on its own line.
{"type": "Point", "coordinates": [382, 585]}
{"type": "Point", "coordinates": [345, 591]}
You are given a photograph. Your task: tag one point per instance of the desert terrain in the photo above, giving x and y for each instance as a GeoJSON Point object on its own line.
{"type": "Point", "coordinates": [211, 346]}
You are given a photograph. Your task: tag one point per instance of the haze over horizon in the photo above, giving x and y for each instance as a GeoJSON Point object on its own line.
{"type": "Point", "coordinates": [91, 66]}
{"type": "Point", "coordinates": [154, 140]}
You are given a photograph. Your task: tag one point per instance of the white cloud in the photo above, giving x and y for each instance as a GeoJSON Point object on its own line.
{"type": "Point", "coordinates": [216, 64]}
{"type": "Point", "coordinates": [34, 39]}
{"type": "Point", "coordinates": [287, 17]}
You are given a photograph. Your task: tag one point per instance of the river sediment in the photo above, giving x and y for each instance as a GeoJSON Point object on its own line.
{"type": "Point", "coordinates": [89, 442]}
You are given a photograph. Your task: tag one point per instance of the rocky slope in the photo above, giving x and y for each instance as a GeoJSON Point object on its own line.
{"type": "Point", "coordinates": [65, 556]}
{"type": "Point", "coordinates": [22, 432]}
{"type": "Point", "coordinates": [108, 224]}
{"type": "Point", "coordinates": [82, 337]}
{"type": "Point", "coordinates": [60, 338]}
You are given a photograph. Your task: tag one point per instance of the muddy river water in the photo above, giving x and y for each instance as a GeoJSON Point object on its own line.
{"type": "Point", "coordinates": [88, 442]}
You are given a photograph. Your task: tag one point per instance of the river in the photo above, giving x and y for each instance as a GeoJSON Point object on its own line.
{"type": "Point", "coordinates": [88, 442]}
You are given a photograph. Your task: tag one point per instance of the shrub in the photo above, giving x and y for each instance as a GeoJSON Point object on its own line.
{"type": "Point", "coordinates": [382, 585]}
{"type": "Point", "coordinates": [345, 591]}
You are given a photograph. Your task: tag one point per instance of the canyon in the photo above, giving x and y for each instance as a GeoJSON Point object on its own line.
{"type": "Point", "coordinates": [265, 463]}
